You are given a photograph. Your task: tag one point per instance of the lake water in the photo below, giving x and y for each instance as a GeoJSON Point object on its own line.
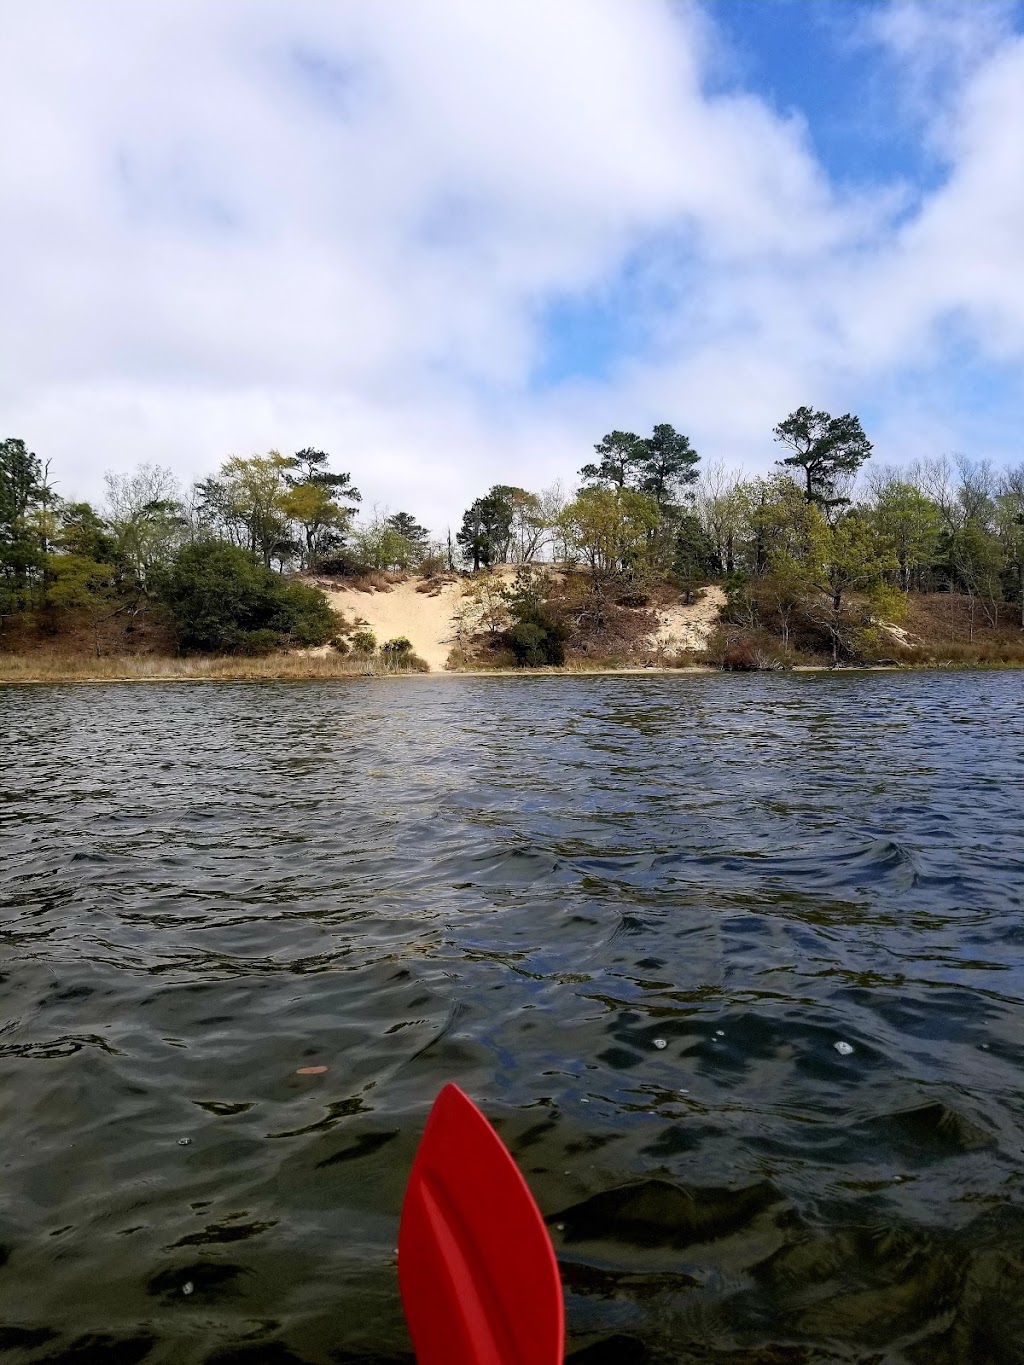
{"type": "Point", "coordinates": [527, 886]}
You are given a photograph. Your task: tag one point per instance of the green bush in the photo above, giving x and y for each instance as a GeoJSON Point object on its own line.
{"type": "Point", "coordinates": [364, 642]}
{"type": "Point", "coordinates": [221, 600]}
{"type": "Point", "coordinates": [396, 649]}
{"type": "Point", "coordinates": [257, 642]}
{"type": "Point", "coordinates": [536, 638]}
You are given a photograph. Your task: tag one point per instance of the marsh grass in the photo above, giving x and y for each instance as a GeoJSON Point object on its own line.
{"type": "Point", "coordinates": [58, 667]}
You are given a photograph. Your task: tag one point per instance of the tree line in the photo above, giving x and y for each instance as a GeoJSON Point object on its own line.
{"type": "Point", "coordinates": [225, 558]}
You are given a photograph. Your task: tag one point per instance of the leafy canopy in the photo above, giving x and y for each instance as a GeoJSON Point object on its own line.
{"type": "Point", "coordinates": [828, 449]}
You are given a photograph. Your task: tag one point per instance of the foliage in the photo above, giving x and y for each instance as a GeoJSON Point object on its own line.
{"type": "Point", "coordinates": [146, 519]}
{"type": "Point", "coordinates": [621, 453]}
{"type": "Point", "coordinates": [696, 558]}
{"type": "Point", "coordinates": [811, 559]}
{"type": "Point", "coordinates": [659, 465]}
{"type": "Point", "coordinates": [609, 528]}
{"type": "Point", "coordinates": [23, 492]}
{"type": "Point", "coordinates": [406, 525]}
{"type": "Point", "coordinates": [221, 599]}
{"type": "Point", "coordinates": [911, 523]}
{"type": "Point", "coordinates": [534, 636]}
{"type": "Point", "coordinates": [364, 642]}
{"type": "Point", "coordinates": [398, 648]}
{"type": "Point", "coordinates": [312, 500]}
{"type": "Point", "coordinates": [828, 450]}
{"type": "Point", "coordinates": [486, 529]}
{"type": "Point", "coordinates": [278, 507]}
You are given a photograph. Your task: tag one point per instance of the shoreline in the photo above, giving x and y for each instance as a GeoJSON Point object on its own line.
{"type": "Point", "coordinates": [698, 670]}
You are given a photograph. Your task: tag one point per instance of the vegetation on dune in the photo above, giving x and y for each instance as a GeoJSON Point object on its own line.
{"type": "Point", "coordinates": [822, 559]}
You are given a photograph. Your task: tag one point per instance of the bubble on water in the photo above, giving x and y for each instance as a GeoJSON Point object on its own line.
{"type": "Point", "coordinates": [684, 1092]}
{"type": "Point", "coordinates": [184, 1142]}
{"type": "Point", "coordinates": [844, 1049]}
{"type": "Point", "coordinates": [661, 1042]}
{"type": "Point", "coordinates": [719, 1032]}
{"type": "Point", "coordinates": [187, 1287]}
{"type": "Point", "coordinates": [584, 1101]}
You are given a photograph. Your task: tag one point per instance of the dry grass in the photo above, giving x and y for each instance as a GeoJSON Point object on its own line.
{"type": "Point", "coordinates": [373, 580]}
{"type": "Point", "coordinates": [55, 667]}
{"type": "Point", "coordinates": [958, 654]}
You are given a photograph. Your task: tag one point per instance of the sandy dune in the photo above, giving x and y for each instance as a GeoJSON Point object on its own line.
{"type": "Point", "coordinates": [425, 620]}
{"type": "Point", "coordinates": [690, 627]}
{"type": "Point", "coordinates": [428, 620]}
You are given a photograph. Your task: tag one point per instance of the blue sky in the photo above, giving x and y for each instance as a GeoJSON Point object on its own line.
{"type": "Point", "coordinates": [455, 243]}
{"type": "Point", "coordinates": [823, 64]}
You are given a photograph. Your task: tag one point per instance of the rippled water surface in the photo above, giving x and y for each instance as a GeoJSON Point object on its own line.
{"type": "Point", "coordinates": [528, 886]}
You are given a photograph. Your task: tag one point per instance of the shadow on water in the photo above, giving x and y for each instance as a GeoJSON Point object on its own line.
{"type": "Point", "coordinates": [249, 931]}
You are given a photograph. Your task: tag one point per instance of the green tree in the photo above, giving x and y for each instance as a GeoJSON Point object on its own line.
{"type": "Point", "coordinates": [406, 525]}
{"type": "Point", "coordinates": [621, 454]}
{"type": "Point", "coordinates": [829, 450]}
{"type": "Point", "coordinates": [24, 491]}
{"type": "Point", "coordinates": [977, 563]}
{"type": "Point", "coordinates": [146, 517]}
{"type": "Point", "coordinates": [314, 499]}
{"type": "Point", "coordinates": [696, 558]}
{"type": "Point", "coordinates": [911, 523]}
{"type": "Point", "coordinates": [378, 545]}
{"type": "Point", "coordinates": [221, 599]}
{"type": "Point", "coordinates": [1010, 526]}
{"type": "Point", "coordinates": [245, 503]}
{"type": "Point", "coordinates": [666, 465]}
{"type": "Point", "coordinates": [84, 587]}
{"type": "Point", "coordinates": [85, 533]}
{"type": "Point", "coordinates": [610, 529]}
{"type": "Point", "coordinates": [773, 521]}
{"type": "Point", "coordinates": [845, 558]}
{"type": "Point", "coordinates": [534, 635]}
{"type": "Point", "coordinates": [486, 529]}
{"type": "Point", "coordinates": [660, 465]}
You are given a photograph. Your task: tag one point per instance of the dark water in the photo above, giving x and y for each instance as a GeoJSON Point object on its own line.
{"type": "Point", "coordinates": [523, 885]}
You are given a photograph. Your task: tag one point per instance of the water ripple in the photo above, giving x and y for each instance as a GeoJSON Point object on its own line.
{"type": "Point", "coordinates": [249, 931]}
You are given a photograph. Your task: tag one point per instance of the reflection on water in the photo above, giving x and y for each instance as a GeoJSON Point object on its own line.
{"type": "Point", "coordinates": [631, 916]}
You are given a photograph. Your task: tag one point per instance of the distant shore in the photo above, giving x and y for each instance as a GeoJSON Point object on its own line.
{"type": "Point", "coordinates": [289, 669]}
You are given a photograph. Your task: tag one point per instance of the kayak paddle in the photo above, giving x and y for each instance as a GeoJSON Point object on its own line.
{"type": "Point", "coordinates": [476, 1268]}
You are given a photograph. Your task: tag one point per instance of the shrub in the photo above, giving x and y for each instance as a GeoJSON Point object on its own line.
{"type": "Point", "coordinates": [534, 637]}
{"type": "Point", "coordinates": [396, 649]}
{"type": "Point", "coordinates": [221, 600]}
{"type": "Point", "coordinates": [633, 598]}
{"type": "Point", "coordinates": [432, 564]}
{"type": "Point", "coordinates": [364, 642]}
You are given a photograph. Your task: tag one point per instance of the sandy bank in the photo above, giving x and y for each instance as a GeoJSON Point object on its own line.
{"type": "Point", "coordinates": [430, 620]}
{"type": "Point", "coordinates": [425, 619]}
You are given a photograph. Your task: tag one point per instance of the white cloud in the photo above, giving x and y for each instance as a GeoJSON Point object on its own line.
{"type": "Point", "coordinates": [260, 223]}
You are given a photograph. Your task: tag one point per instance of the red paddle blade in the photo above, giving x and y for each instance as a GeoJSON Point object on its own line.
{"type": "Point", "coordinates": [476, 1268]}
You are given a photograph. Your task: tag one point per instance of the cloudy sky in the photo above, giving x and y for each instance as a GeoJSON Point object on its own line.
{"type": "Point", "coordinates": [454, 242]}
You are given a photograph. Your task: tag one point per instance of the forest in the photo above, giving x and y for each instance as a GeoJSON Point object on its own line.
{"type": "Point", "coordinates": [813, 556]}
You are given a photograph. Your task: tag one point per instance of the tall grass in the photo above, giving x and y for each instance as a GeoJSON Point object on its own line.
{"type": "Point", "coordinates": [56, 667]}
